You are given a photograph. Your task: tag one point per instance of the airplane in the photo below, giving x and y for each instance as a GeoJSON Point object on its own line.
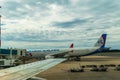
{"type": "Point", "coordinates": [47, 53]}
{"type": "Point", "coordinates": [71, 52]}
{"type": "Point", "coordinates": [28, 71]}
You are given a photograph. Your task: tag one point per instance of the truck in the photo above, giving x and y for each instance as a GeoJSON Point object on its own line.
{"type": "Point", "coordinates": [5, 63]}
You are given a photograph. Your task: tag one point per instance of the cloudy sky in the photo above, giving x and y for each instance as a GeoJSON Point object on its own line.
{"type": "Point", "coordinates": [38, 24]}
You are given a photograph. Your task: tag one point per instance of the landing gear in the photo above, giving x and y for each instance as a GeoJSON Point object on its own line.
{"type": "Point", "coordinates": [68, 58]}
{"type": "Point", "coordinates": [77, 58]}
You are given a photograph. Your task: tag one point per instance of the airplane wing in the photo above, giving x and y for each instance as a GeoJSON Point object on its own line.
{"type": "Point", "coordinates": [61, 54]}
{"type": "Point", "coordinates": [27, 71]}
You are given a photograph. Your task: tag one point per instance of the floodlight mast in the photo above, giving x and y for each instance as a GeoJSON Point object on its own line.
{"type": "Point", "coordinates": [0, 29]}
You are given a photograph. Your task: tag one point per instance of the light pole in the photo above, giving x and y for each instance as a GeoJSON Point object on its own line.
{"type": "Point", "coordinates": [0, 31]}
{"type": "Point", "coordinates": [0, 38]}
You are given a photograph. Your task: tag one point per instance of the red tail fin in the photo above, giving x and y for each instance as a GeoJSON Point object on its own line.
{"type": "Point", "coordinates": [72, 45]}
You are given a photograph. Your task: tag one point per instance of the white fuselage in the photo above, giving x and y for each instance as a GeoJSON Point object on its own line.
{"type": "Point", "coordinates": [72, 52]}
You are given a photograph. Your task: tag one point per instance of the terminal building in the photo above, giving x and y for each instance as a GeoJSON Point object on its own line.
{"type": "Point", "coordinates": [10, 57]}
{"type": "Point", "coordinates": [5, 53]}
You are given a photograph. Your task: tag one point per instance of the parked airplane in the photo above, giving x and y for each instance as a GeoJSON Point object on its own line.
{"type": "Point", "coordinates": [48, 53]}
{"type": "Point", "coordinates": [27, 71]}
{"type": "Point", "coordinates": [71, 52]}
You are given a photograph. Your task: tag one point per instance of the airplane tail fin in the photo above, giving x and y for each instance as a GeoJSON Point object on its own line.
{"type": "Point", "coordinates": [101, 41]}
{"type": "Point", "coordinates": [72, 45]}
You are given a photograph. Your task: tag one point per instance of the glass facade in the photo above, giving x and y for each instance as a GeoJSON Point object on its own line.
{"type": "Point", "coordinates": [7, 51]}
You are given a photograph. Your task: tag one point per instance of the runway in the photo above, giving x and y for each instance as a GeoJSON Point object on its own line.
{"type": "Point", "coordinates": [60, 72]}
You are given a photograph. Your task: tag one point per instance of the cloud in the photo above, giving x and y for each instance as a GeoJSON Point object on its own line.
{"type": "Point", "coordinates": [69, 24]}
{"type": "Point", "coordinates": [61, 22]}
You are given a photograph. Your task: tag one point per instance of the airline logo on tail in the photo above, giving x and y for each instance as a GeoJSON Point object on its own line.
{"type": "Point", "coordinates": [101, 41]}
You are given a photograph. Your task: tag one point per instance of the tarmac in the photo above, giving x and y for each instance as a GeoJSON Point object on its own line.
{"type": "Point", "coordinates": [61, 71]}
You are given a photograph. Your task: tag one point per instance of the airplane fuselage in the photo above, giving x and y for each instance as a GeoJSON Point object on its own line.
{"type": "Point", "coordinates": [68, 52]}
